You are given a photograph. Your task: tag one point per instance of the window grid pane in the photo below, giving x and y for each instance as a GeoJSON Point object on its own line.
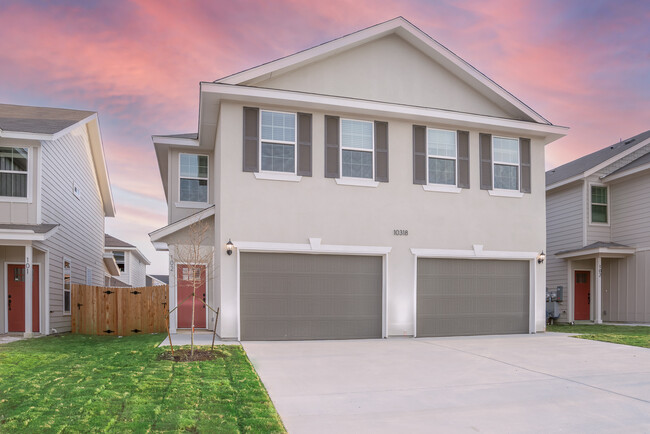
{"type": "Point", "coordinates": [195, 166]}
{"type": "Point", "coordinates": [278, 126]}
{"type": "Point", "coordinates": [599, 195]}
{"type": "Point", "coordinates": [506, 150]}
{"type": "Point", "coordinates": [506, 177]}
{"type": "Point", "coordinates": [599, 213]}
{"type": "Point", "coordinates": [356, 164]}
{"type": "Point", "coordinates": [194, 190]}
{"type": "Point", "coordinates": [442, 171]}
{"type": "Point", "coordinates": [356, 134]}
{"type": "Point", "coordinates": [278, 157]}
{"type": "Point", "coordinates": [441, 143]}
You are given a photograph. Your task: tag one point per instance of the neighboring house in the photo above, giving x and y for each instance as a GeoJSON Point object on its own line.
{"type": "Point", "coordinates": [157, 279]}
{"type": "Point", "coordinates": [131, 264]}
{"type": "Point", "coordinates": [375, 185]}
{"type": "Point", "coordinates": [54, 195]}
{"type": "Point", "coordinates": [598, 233]}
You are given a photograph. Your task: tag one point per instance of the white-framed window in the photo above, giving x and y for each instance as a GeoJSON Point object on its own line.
{"type": "Point", "coordinates": [89, 276]}
{"type": "Point", "coordinates": [191, 273]}
{"type": "Point", "coordinates": [193, 178]}
{"type": "Point", "coordinates": [505, 163]}
{"type": "Point", "coordinates": [599, 195]}
{"type": "Point", "coordinates": [442, 155]}
{"type": "Point", "coordinates": [278, 142]}
{"type": "Point", "coordinates": [14, 172]}
{"type": "Point", "coordinates": [357, 149]}
{"type": "Point", "coordinates": [119, 260]}
{"type": "Point", "coordinates": [67, 285]}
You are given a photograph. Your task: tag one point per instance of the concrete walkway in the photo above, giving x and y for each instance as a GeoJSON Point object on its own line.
{"type": "Point", "coordinates": [526, 383]}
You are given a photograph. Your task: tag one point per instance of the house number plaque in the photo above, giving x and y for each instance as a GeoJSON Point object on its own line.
{"type": "Point", "coordinates": [400, 232]}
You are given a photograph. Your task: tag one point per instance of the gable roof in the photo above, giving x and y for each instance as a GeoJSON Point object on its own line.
{"type": "Point", "coordinates": [410, 33]}
{"type": "Point", "coordinates": [110, 241]}
{"type": "Point", "coordinates": [38, 120]}
{"type": "Point", "coordinates": [641, 161]}
{"type": "Point", "coordinates": [582, 165]}
{"type": "Point", "coordinates": [164, 278]}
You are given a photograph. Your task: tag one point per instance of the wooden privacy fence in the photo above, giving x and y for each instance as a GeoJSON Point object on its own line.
{"type": "Point", "coordinates": [98, 310]}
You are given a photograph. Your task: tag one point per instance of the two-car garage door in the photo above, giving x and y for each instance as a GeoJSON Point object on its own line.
{"type": "Point", "coordinates": [457, 297]}
{"type": "Point", "coordinates": [286, 296]}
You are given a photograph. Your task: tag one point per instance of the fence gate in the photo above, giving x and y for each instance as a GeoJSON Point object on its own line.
{"type": "Point", "coordinates": [98, 310]}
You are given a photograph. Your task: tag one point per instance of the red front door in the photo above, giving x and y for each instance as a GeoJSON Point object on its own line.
{"type": "Point", "coordinates": [186, 281]}
{"type": "Point", "coordinates": [16, 298]}
{"type": "Point", "coordinates": [582, 295]}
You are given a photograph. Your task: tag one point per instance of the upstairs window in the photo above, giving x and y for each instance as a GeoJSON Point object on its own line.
{"type": "Point", "coordinates": [357, 149]}
{"type": "Point", "coordinates": [599, 211]}
{"type": "Point", "coordinates": [278, 138]}
{"type": "Point", "coordinates": [119, 260]}
{"type": "Point", "coordinates": [193, 178]}
{"type": "Point", "coordinates": [13, 172]}
{"type": "Point", "coordinates": [505, 160]}
{"type": "Point", "coordinates": [441, 156]}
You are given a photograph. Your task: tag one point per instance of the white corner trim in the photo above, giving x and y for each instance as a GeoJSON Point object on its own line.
{"type": "Point", "coordinates": [357, 182]}
{"type": "Point", "coordinates": [195, 205]}
{"type": "Point", "coordinates": [271, 176]}
{"type": "Point", "coordinates": [316, 247]}
{"type": "Point", "coordinates": [506, 193]}
{"type": "Point", "coordinates": [476, 253]}
{"type": "Point", "coordinates": [441, 188]}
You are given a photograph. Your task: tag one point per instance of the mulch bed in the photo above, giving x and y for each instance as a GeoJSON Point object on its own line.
{"type": "Point", "coordinates": [200, 355]}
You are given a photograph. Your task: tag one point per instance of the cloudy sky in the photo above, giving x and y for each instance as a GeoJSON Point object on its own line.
{"type": "Point", "coordinates": [584, 64]}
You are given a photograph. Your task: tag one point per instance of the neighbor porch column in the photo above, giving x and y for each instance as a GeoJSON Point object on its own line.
{"type": "Point", "coordinates": [599, 290]}
{"type": "Point", "coordinates": [28, 290]}
{"type": "Point", "coordinates": [172, 290]}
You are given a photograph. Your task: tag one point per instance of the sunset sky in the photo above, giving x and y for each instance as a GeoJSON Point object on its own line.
{"type": "Point", "coordinates": [584, 64]}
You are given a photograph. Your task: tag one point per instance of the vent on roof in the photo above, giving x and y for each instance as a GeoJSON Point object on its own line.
{"type": "Point", "coordinates": [627, 142]}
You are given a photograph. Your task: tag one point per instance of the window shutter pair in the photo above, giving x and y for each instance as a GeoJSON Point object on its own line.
{"type": "Point", "coordinates": [252, 142]}
{"type": "Point", "coordinates": [420, 156]}
{"type": "Point", "coordinates": [332, 145]}
{"type": "Point", "coordinates": [485, 150]}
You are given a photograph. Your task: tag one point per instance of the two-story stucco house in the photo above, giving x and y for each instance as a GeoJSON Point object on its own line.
{"type": "Point", "coordinates": [598, 229]}
{"type": "Point", "coordinates": [130, 264]}
{"type": "Point", "coordinates": [376, 185]}
{"type": "Point", "coordinates": [54, 195]}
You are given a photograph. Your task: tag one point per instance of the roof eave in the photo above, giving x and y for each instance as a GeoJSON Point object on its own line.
{"type": "Point", "coordinates": [26, 234]}
{"type": "Point", "coordinates": [599, 251]}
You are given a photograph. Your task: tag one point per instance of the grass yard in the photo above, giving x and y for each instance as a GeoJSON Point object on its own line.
{"type": "Point", "coordinates": [74, 383]}
{"type": "Point", "coordinates": [638, 336]}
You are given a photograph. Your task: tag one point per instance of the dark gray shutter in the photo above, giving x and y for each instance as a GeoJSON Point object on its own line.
{"type": "Point", "coordinates": [381, 151]}
{"type": "Point", "coordinates": [524, 155]}
{"type": "Point", "coordinates": [419, 155]}
{"type": "Point", "coordinates": [463, 158]}
{"type": "Point", "coordinates": [304, 144]}
{"type": "Point", "coordinates": [485, 151]}
{"type": "Point", "coordinates": [332, 146]}
{"type": "Point", "coordinates": [251, 139]}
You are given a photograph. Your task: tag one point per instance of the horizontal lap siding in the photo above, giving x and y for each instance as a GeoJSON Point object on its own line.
{"type": "Point", "coordinates": [564, 231]}
{"type": "Point", "coordinates": [80, 236]}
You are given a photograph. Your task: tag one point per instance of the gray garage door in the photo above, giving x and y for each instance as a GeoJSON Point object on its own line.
{"type": "Point", "coordinates": [293, 296]}
{"type": "Point", "coordinates": [457, 297]}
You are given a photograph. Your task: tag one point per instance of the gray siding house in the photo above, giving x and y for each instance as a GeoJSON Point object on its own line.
{"type": "Point", "coordinates": [598, 233]}
{"type": "Point", "coordinates": [54, 196]}
{"type": "Point", "coordinates": [375, 185]}
{"type": "Point", "coordinates": [130, 264]}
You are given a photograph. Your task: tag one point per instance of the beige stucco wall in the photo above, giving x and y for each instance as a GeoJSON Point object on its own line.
{"type": "Point", "coordinates": [257, 210]}
{"type": "Point", "coordinates": [391, 70]}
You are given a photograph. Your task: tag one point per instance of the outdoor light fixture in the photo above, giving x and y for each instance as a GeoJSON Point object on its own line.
{"type": "Point", "coordinates": [541, 257]}
{"type": "Point", "coordinates": [229, 246]}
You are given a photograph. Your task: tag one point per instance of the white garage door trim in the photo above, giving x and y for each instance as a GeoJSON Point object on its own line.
{"type": "Point", "coordinates": [478, 253]}
{"type": "Point", "coordinates": [314, 247]}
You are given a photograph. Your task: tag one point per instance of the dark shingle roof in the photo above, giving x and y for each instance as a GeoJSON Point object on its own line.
{"type": "Point", "coordinates": [581, 165]}
{"type": "Point", "coordinates": [162, 277]}
{"type": "Point", "coordinates": [110, 241]}
{"type": "Point", "coordinates": [38, 120]}
{"type": "Point", "coordinates": [38, 229]}
{"type": "Point", "coordinates": [636, 163]}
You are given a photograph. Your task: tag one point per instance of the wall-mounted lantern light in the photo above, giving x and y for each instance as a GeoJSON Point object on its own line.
{"type": "Point", "coordinates": [229, 246]}
{"type": "Point", "coordinates": [541, 257]}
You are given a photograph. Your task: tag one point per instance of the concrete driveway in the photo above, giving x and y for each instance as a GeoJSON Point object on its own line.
{"type": "Point", "coordinates": [525, 383]}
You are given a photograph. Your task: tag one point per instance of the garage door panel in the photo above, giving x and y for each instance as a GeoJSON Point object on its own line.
{"type": "Point", "coordinates": [298, 296]}
{"type": "Point", "coordinates": [472, 297]}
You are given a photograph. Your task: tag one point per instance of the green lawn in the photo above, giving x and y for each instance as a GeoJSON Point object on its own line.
{"type": "Point", "coordinates": [74, 383]}
{"type": "Point", "coordinates": [638, 336]}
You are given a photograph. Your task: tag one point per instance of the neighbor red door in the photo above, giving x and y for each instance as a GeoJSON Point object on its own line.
{"type": "Point", "coordinates": [16, 298]}
{"type": "Point", "coordinates": [582, 295]}
{"type": "Point", "coordinates": [184, 286]}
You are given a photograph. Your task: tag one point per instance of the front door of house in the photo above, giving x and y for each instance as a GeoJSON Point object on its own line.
{"type": "Point", "coordinates": [187, 280]}
{"type": "Point", "coordinates": [16, 298]}
{"type": "Point", "coordinates": [582, 295]}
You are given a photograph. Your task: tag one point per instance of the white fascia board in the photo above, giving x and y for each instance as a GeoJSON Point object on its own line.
{"type": "Point", "coordinates": [565, 182]}
{"type": "Point", "coordinates": [143, 258]}
{"type": "Point", "coordinates": [111, 264]}
{"type": "Point", "coordinates": [616, 157]}
{"type": "Point", "coordinates": [160, 246]}
{"type": "Point", "coordinates": [25, 235]}
{"type": "Point", "coordinates": [156, 235]}
{"type": "Point", "coordinates": [101, 169]}
{"type": "Point", "coordinates": [599, 251]}
{"type": "Point", "coordinates": [351, 105]}
{"type": "Point", "coordinates": [624, 173]}
{"type": "Point", "coordinates": [133, 250]}
{"type": "Point", "coordinates": [314, 247]}
{"type": "Point", "coordinates": [473, 254]}
{"type": "Point", "coordinates": [175, 141]}
{"type": "Point", "coordinates": [42, 136]}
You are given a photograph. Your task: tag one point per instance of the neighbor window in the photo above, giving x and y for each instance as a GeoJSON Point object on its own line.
{"type": "Point", "coordinates": [278, 134]}
{"type": "Point", "coordinates": [357, 148]}
{"type": "Point", "coordinates": [119, 260]}
{"type": "Point", "coordinates": [506, 163]}
{"type": "Point", "coordinates": [67, 282]}
{"type": "Point", "coordinates": [442, 154]}
{"type": "Point", "coordinates": [13, 172]}
{"type": "Point", "coordinates": [194, 178]}
{"type": "Point", "coordinates": [598, 204]}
